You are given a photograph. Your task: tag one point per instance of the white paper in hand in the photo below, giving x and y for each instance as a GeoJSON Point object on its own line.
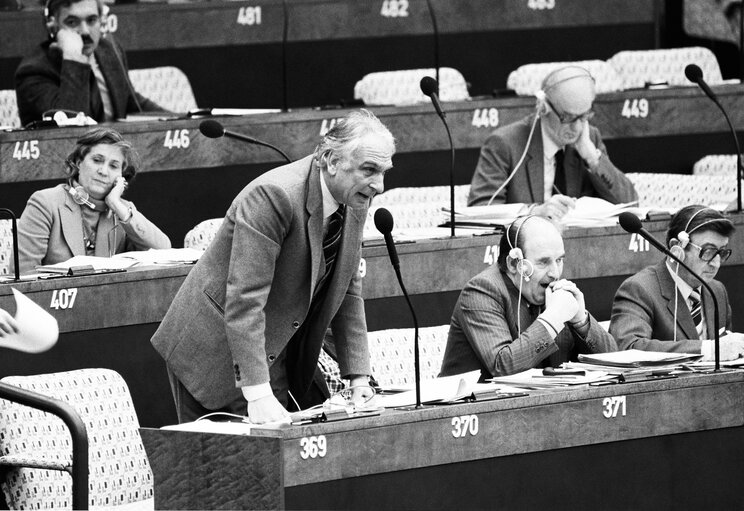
{"type": "Point", "coordinates": [37, 329]}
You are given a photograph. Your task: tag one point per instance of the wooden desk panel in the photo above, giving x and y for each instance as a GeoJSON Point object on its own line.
{"type": "Point", "coordinates": [398, 441]}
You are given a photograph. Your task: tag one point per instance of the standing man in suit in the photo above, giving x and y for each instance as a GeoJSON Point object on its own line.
{"type": "Point", "coordinates": [665, 308]}
{"type": "Point", "coordinates": [519, 313]}
{"type": "Point", "coordinates": [557, 154]}
{"type": "Point", "coordinates": [245, 330]}
{"type": "Point", "coordinates": [77, 69]}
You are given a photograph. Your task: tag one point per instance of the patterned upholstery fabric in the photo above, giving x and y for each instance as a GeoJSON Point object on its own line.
{"type": "Point", "coordinates": [331, 372]}
{"type": "Point", "coordinates": [6, 246]}
{"type": "Point", "coordinates": [639, 67]}
{"type": "Point", "coordinates": [119, 472]}
{"type": "Point", "coordinates": [716, 165]}
{"type": "Point", "coordinates": [527, 79]}
{"type": "Point", "coordinates": [9, 109]}
{"type": "Point", "coordinates": [167, 86]}
{"type": "Point", "coordinates": [415, 207]}
{"type": "Point", "coordinates": [402, 87]}
{"type": "Point", "coordinates": [675, 191]}
{"type": "Point", "coordinates": [202, 234]}
{"type": "Point", "coordinates": [391, 354]}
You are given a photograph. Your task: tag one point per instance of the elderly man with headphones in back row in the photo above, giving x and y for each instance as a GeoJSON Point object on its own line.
{"type": "Point", "coordinates": [562, 156]}
{"type": "Point", "coordinates": [77, 69]}
{"type": "Point", "coordinates": [519, 314]}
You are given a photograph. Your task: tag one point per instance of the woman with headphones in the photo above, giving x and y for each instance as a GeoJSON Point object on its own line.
{"type": "Point", "coordinates": [87, 215]}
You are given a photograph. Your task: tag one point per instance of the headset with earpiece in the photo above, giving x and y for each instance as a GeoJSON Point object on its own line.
{"type": "Point", "coordinates": [679, 243]}
{"type": "Point", "coordinates": [524, 266]}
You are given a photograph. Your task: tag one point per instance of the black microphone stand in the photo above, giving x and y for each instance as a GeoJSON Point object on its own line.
{"type": "Point", "coordinates": [14, 227]}
{"type": "Point", "coordinates": [416, 362]}
{"type": "Point", "coordinates": [252, 140]}
{"type": "Point", "coordinates": [739, 167]}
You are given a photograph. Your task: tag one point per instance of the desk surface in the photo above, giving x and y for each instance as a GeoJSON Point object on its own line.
{"type": "Point", "coordinates": [222, 23]}
{"type": "Point", "coordinates": [177, 144]}
{"type": "Point", "coordinates": [277, 459]}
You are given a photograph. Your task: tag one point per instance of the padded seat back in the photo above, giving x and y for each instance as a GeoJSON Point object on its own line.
{"type": "Point", "coordinates": [202, 234]}
{"type": "Point", "coordinates": [642, 66]}
{"type": "Point", "coordinates": [167, 86]}
{"type": "Point", "coordinates": [675, 191]}
{"type": "Point", "coordinates": [526, 80]}
{"type": "Point", "coordinates": [716, 165]}
{"type": "Point", "coordinates": [9, 109]}
{"type": "Point", "coordinates": [402, 87]}
{"type": "Point", "coordinates": [6, 246]}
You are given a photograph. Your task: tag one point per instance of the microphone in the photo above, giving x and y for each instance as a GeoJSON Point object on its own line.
{"type": "Point", "coordinates": [213, 129]}
{"type": "Point", "coordinates": [384, 223]}
{"type": "Point", "coordinates": [632, 224]}
{"type": "Point", "coordinates": [80, 196]}
{"type": "Point", "coordinates": [430, 87]}
{"type": "Point", "coordinates": [14, 229]}
{"type": "Point", "coordinates": [695, 75]}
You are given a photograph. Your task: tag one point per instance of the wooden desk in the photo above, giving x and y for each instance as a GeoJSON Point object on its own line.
{"type": "Point", "coordinates": [647, 445]}
{"type": "Point", "coordinates": [208, 39]}
{"type": "Point", "coordinates": [199, 177]}
{"type": "Point", "coordinates": [112, 317]}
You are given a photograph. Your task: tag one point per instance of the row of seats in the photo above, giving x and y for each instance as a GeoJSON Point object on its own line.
{"type": "Point", "coordinates": [624, 70]}
{"type": "Point", "coordinates": [167, 86]}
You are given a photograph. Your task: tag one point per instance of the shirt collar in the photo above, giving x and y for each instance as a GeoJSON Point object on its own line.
{"type": "Point", "coordinates": [549, 146]}
{"type": "Point", "coordinates": [330, 204]}
{"type": "Point", "coordinates": [684, 288]}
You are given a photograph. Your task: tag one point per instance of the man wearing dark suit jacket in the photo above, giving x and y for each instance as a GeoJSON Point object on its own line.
{"type": "Point", "coordinates": [248, 323]}
{"type": "Point", "coordinates": [519, 313]}
{"type": "Point", "coordinates": [562, 156]}
{"type": "Point", "coordinates": [665, 308]}
{"type": "Point", "coordinates": [77, 69]}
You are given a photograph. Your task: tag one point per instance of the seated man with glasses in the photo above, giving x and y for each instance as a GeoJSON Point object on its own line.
{"type": "Point", "coordinates": [77, 69]}
{"type": "Point", "coordinates": [665, 308]}
{"type": "Point", "coordinates": [552, 156]}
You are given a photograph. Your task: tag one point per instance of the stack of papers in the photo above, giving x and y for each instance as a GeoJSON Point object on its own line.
{"type": "Point", "coordinates": [535, 379]}
{"type": "Point", "coordinates": [596, 212]}
{"type": "Point", "coordinates": [637, 358]}
{"type": "Point", "coordinates": [97, 264]}
{"type": "Point", "coordinates": [495, 215]}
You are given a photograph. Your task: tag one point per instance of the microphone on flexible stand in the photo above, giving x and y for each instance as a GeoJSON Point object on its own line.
{"type": "Point", "coordinates": [430, 87]}
{"type": "Point", "coordinates": [632, 224]}
{"type": "Point", "coordinates": [14, 228]}
{"type": "Point", "coordinates": [213, 129]}
{"type": "Point", "coordinates": [695, 75]}
{"type": "Point", "coordinates": [384, 224]}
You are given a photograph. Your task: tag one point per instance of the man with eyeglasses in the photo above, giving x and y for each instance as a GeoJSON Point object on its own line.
{"type": "Point", "coordinates": [77, 69]}
{"type": "Point", "coordinates": [553, 156]}
{"type": "Point", "coordinates": [665, 308]}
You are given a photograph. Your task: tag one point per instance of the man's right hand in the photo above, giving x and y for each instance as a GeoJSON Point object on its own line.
{"type": "Point", "coordinates": [555, 207]}
{"type": "Point", "coordinates": [267, 409]}
{"type": "Point", "coordinates": [560, 307]}
{"type": "Point", "coordinates": [70, 44]}
{"type": "Point", "coordinates": [732, 346]}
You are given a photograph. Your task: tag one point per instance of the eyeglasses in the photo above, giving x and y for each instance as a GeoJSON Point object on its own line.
{"type": "Point", "coordinates": [707, 254]}
{"type": "Point", "coordinates": [568, 118]}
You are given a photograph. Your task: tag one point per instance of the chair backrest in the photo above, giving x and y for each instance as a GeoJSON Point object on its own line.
{"type": "Point", "coordinates": [6, 246]}
{"type": "Point", "coordinates": [402, 87]}
{"type": "Point", "coordinates": [639, 67]}
{"type": "Point", "coordinates": [167, 86]}
{"type": "Point", "coordinates": [715, 165]}
{"type": "Point", "coordinates": [9, 109]}
{"type": "Point", "coordinates": [674, 191]}
{"type": "Point", "coordinates": [202, 234]}
{"type": "Point", "coordinates": [119, 472]}
{"type": "Point", "coordinates": [391, 354]}
{"type": "Point", "coordinates": [527, 79]}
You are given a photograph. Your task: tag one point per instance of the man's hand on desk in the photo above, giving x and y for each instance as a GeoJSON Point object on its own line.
{"type": "Point", "coordinates": [361, 392]}
{"type": "Point", "coordinates": [732, 346]}
{"type": "Point", "coordinates": [555, 207]}
{"type": "Point", "coordinates": [267, 409]}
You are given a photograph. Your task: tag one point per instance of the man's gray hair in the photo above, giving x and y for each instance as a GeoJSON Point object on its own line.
{"type": "Point", "coordinates": [348, 132]}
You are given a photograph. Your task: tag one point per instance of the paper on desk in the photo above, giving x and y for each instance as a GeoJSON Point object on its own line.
{"type": "Point", "coordinates": [447, 388]}
{"type": "Point", "coordinates": [594, 212]}
{"type": "Point", "coordinates": [37, 329]}
{"type": "Point", "coordinates": [638, 358]}
{"type": "Point", "coordinates": [98, 263]}
{"type": "Point", "coordinates": [534, 378]}
{"type": "Point", "coordinates": [162, 256]}
{"type": "Point", "coordinates": [207, 426]}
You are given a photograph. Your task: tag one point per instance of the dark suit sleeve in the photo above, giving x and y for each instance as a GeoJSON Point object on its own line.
{"type": "Point", "coordinates": [637, 321]}
{"type": "Point", "coordinates": [145, 104]}
{"type": "Point", "coordinates": [494, 165]}
{"type": "Point", "coordinates": [40, 88]}
{"type": "Point", "coordinates": [610, 182]}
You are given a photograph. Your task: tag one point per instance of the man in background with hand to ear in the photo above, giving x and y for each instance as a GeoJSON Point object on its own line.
{"type": "Point", "coordinates": [565, 158]}
{"type": "Point", "coordinates": [665, 308]}
{"type": "Point", "coordinates": [519, 314]}
{"type": "Point", "coordinates": [77, 69]}
{"type": "Point", "coordinates": [244, 333]}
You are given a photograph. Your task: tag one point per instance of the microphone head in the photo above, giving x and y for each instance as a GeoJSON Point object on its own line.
{"type": "Point", "coordinates": [429, 86]}
{"type": "Point", "coordinates": [630, 222]}
{"type": "Point", "coordinates": [693, 73]}
{"type": "Point", "coordinates": [384, 221]}
{"type": "Point", "coordinates": [211, 128]}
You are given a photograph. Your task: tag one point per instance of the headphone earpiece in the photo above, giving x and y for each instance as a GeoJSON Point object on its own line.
{"type": "Point", "coordinates": [525, 269]}
{"type": "Point", "coordinates": [524, 266]}
{"type": "Point", "coordinates": [683, 238]}
{"type": "Point", "coordinates": [540, 107]}
{"type": "Point", "coordinates": [678, 251]}
{"type": "Point", "coordinates": [516, 254]}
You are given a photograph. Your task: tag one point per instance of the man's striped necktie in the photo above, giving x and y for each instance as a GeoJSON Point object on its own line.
{"type": "Point", "coordinates": [333, 238]}
{"type": "Point", "coordinates": [696, 310]}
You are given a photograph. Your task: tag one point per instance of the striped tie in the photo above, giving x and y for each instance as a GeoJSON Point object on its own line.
{"type": "Point", "coordinates": [696, 310]}
{"type": "Point", "coordinates": [332, 238]}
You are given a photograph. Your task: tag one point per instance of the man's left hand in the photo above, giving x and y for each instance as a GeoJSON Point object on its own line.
{"type": "Point", "coordinates": [572, 288]}
{"type": "Point", "coordinates": [585, 147]}
{"type": "Point", "coordinates": [361, 392]}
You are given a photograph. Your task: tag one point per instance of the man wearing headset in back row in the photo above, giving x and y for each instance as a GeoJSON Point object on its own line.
{"type": "Point", "coordinates": [665, 308]}
{"type": "Point", "coordinates": [562, 156]}
{"type": "Point", "coordinates": [519, 313]}
{"type": "Point", "coordinates": [77, 69]}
